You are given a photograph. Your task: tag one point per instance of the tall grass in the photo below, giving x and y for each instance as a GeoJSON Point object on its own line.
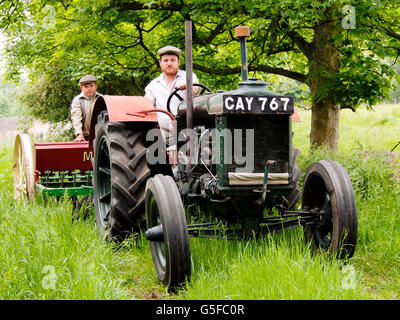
{"type": "Point", "coordinates": [366, 138]}
{"type": "Point", "coordinates": [44, 254]}
{"type": "Point", "coordinates": [282, 267]}
{"type": "Point", "coordinates": [279, 267]}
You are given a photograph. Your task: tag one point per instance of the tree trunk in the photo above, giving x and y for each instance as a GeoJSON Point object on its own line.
{"type": "Point", "coordinates": [325, 60]}
{"type": "Point", "coordinates": [325, 124]}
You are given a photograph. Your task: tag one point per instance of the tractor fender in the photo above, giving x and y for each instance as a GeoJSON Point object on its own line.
{"type": "Point", "coordinates": [122, 109]}
{"type": "Point", "coordinates": [295, 116]}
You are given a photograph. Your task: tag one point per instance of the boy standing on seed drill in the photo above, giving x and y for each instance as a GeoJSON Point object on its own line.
{"type": "Point", "coordinates": [82, 107]}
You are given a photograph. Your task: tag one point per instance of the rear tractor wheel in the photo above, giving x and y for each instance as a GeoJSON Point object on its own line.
{"type": "Point", "coordinates": [120, 173]}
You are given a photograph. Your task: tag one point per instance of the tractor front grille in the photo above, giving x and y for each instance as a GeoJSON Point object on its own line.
{"type": "Point", "coordinates": [271, 140]}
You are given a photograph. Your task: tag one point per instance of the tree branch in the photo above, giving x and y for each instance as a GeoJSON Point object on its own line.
{"type": "Point", "coordinates": [303, 45]}
{"type": "Point", "coordinates": [392, 34]}
{"type": "Point", "coordinates": [141, 42]}
{"type": "Point", "coordinates": [137, 5]}
{"type": "Point", "coordinates": [264, 68]}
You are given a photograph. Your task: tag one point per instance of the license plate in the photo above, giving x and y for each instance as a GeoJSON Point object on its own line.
{"type": "Point", "coordinates": [258, 104]}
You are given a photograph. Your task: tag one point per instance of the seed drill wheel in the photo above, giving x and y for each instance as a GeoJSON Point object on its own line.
{"type": "Point", "coordinates": [327, 187]}
{"type": "Point", "coordinates": [120, 173]}
{"type": "Point", "coordinates": [165, 215]}
{"type": "Point", "coordinates": [23, 168]}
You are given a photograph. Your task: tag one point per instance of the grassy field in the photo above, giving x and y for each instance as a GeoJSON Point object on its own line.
{"type": "Point", "coordinates": [44, 254]}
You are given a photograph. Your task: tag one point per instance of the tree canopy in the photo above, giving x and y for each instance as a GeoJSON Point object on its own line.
{"type": "Point", "coordinates": [343, 53]}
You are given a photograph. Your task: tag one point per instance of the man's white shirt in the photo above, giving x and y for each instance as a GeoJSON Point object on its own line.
{"type": "Point", "coordinates": [158, 92]}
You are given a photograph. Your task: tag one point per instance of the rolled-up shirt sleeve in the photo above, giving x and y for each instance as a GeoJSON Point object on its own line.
{"type": "Point", "coordinates": [195, 80]}
{"type": "Point", "coordinates": [149, 94]}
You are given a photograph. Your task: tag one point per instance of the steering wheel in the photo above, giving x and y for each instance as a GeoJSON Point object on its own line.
{"type": "Point", "coordinates": [175, 93]}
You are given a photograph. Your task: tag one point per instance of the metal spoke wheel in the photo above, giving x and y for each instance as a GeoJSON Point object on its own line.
{"type": "Point", "coordinates": [328, 190]}
{"type": "Point", "coordinates": [167, 231]}
{"type": "Point", "coordinates": [23, 168]}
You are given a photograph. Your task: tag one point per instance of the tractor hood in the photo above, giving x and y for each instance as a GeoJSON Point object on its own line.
{"type": "Point", "coordinates": [213, 104]}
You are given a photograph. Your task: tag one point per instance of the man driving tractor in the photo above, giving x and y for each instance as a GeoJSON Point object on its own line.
{"type": "Point", "coordinates": [159, 89]}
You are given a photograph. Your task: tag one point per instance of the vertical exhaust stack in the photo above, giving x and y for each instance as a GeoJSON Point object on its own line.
{"type": "Point", "coordinates": [189, 88]}
{"type": "Point", "coordinates": [242, 32]}
{"type": "Point", "coordinates": [189, 72]}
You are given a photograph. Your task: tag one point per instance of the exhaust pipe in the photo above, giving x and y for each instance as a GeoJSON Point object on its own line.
{"type": "Point", "coordinates": [242, 32]}
{"type": "Point", "coordinates": [189, 88]}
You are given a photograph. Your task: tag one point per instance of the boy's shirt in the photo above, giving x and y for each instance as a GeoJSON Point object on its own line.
{"type": "Point", "coordinates": [79, 102]}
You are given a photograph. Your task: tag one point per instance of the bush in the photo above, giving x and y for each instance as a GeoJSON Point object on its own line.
{"type": "Point", "coordinates": [367, 170]}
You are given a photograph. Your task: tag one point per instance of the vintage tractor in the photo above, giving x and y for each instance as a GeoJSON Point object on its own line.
{"type": "Point", "coordinates": [252, 195]}
{"type": "Point", "coordinates": [53, 170]}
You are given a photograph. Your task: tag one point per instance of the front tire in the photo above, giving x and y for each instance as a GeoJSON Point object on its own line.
{"type": "Point", "coordinates": [120, 175]}
{"type": "Point", "coordinates": [328, 188]}
{"type": "Point", "coordinates": [171, 251]}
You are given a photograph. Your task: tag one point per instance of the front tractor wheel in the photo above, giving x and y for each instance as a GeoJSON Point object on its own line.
{"type": "Point", "coordinates": [328, 191]}
{"type": "Point", "coordinates": [167, 231]}
{"type": "Point", "coordinates": [120, 173]}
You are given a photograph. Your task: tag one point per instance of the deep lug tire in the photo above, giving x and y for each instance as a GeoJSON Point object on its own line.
{"type": "Point", "coordinates": [164, 207]}
{"type": "Point", "coordinates": [120, 175]}
{"type": "Point", "coordinates": [327, 187]}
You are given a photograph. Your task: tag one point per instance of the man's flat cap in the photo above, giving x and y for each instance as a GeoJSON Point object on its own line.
{"type": "Point", "coordinates": [87, 79]}
{"type": "Point", "coordinates": [170, 50]}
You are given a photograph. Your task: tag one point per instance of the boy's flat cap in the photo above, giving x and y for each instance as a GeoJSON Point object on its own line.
{"type": "Point", "coordinates": [169, 49]}
{"type": "Point", "coordinates": [87, 79]}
